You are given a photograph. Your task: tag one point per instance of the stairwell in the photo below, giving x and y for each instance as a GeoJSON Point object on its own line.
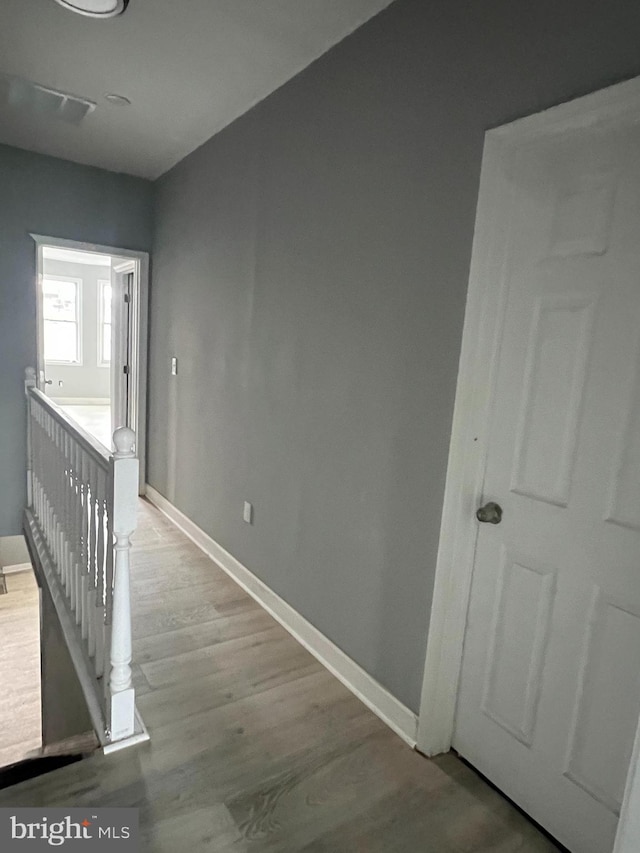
{"type": "Point", "coordinates": [20, 696]}
{"type": "Point", "coordinates": [45, 722]}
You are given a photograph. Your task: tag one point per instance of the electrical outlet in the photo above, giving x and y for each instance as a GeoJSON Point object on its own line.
{"type": "Point", "coordinates": [174, 366]}
{"type": "Point", "coordinates": [247, 513]}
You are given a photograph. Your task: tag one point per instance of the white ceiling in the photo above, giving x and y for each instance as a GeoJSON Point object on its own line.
{"type": "Point", "coordinates": [190, 67]}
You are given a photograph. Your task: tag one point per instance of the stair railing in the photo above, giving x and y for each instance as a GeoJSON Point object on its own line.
{"type": "Point", "coordinates": [80, 516]}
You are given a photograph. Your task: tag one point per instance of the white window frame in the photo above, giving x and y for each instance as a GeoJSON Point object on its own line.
{"type": "Point", "coordinates": [78, 284]}
{"type": "Point", "coordinates": [102, 321]}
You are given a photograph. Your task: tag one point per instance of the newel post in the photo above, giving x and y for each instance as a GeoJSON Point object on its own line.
{"type": "Point", "coordinates": [29, 382]}
{"type": "Point", "coordinates": [125, 499]}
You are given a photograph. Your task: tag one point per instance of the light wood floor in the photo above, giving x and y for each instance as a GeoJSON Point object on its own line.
{"type": "Point", "coordinates": [95, 419]}
{"type": "Point", "coordinates": [256, 747]}
{"type": "Point", "coordinates": [20, 729]}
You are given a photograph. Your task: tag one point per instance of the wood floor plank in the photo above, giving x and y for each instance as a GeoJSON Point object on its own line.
{"type": "Point", "coordinates": [255, 746]}
{"type": "Point", "coordinates": [211, 691]}
{"type": "Point", "coordinates": [207, 828]}
{"type": "Point", "coordinates": [147, 600]}
{"type": "Point", "coordinates": [444, 822]}
{"type": "Point", "coordinates": [195, 636]}
{"type": "Point", "coordinates": [155, 622]}
{"type": "Point", "coordinates": [249, 652]}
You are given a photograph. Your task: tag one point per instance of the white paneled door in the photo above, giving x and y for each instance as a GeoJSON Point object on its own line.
{"type": "Point", "coordinates": [549, 695]}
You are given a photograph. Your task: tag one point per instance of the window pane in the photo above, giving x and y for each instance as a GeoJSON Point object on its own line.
{"type": "Point", "coordinates": [60, 299]}
{"type": "Point", "coordinates": [106, 303]}
{"type": "Point", "coordinates": [106, 342]}
{"type": "Point", "coordinates": [60, 341]}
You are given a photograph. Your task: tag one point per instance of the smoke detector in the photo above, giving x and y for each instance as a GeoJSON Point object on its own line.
{"type": "Point", "coordinates": [95, 8]}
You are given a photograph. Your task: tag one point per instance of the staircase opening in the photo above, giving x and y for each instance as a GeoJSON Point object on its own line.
{"type": "Point", "coordinates": [20, 693]}
{"type": "Point", "coordinates": [45, 718]}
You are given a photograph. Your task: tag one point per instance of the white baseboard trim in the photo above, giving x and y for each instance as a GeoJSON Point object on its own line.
{"type": "Point", "coordinates": [81, 401]}
{"type": "Point", "coordinates": [376, 697]}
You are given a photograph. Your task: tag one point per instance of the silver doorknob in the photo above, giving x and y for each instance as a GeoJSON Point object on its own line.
{"type": "Point", "coordinates": [48, 381]}
{"type": "Point", "coordinates": [490, 513]}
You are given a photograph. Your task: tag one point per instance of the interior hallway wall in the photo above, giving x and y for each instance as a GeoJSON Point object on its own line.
{"type": "Point", "coordinates": [310, 273]}
{"type": "Point", "coordinates": [43, 195]}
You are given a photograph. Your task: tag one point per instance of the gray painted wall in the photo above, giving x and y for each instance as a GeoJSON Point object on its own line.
{"type": "Point", "coordinates": [310, 272]}
{"type": "Point", "coordinates": [88, 379]}
{"type": "Point", "coordinates": [47, 196]}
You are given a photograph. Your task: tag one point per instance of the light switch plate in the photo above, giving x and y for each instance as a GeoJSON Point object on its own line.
{"type": "Point", "coordinates": [247, 513]}
{"type": "Point", "coordinates": [174, 366]}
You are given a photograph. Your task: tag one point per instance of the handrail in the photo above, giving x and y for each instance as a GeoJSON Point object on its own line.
{"type": "Point", "coordinates": [91, 445]}
{"type": "Point", "coordinates": [81, 513]}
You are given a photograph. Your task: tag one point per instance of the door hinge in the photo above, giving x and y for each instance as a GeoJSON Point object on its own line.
{"type": "Point", "coordinates": [127, 298]}
{"type": "Point", "coordinates": [125, 370]}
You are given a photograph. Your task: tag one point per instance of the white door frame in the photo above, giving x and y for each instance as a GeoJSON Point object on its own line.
{"type": "Point", "coordinates": [140, 307]}
{"type": "Point", "coordinates": [483, 324]}
{"type": "Point", "coordinates": [123, 349]}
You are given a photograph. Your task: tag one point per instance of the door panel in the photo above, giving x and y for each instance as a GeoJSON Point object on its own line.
{"type": "Point", "coordinates": [549, 693]}
{"type": "Point", "coordinates": [603, 729]}
{"type": "Point", "coordinates": [517, 643]}
{"type": "Point", "coordinates": [623, 506]}
{"type": "Point", "coordinates": [553, 385]}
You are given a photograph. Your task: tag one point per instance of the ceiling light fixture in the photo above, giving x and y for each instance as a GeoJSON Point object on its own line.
{"type": "Point", "coordinates": [95, 8]}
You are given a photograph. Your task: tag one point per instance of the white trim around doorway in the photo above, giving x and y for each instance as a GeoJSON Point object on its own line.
{"type": "Point", "coordinates": [141, 308]}
{"type": "Point", "coordinates": [469, 437]}
{"type": "Point", "coordinates": [465, 472]}
{"type": "Point", "coordinates": [468, 447]}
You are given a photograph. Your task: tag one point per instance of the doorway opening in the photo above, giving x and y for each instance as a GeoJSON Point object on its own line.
{"type": "Point", "coordinates": [91, 340]}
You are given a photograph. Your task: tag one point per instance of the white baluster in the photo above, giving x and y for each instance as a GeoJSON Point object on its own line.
{"type": "Point", "coordinates": [84, 564]}
{"type": "Point", "coordinates": [45, 477]}
{"type": "Point", "coordinates": [29, 382]}
{"type": "Point", "coordinates": [73, 518]}
{"type": "Point", "coordinates": [41, 471]}
{"type": "Point", "coordinates": [77, 574]}
{"type": "Point", "coordinates": [61, 497]}
{"type": "Point", "coordinates": [40, 434]}
{"type": "Point", "coordinates": [58, 497]}
{"type": "Point", "coordinates": [41, 467]}
{"type": "Point", "coordinates": [125, 498]}
{"type": "Point", "coordinates": [66, 550]}
{"type": "Point", "coordinates": [100, 561]}
{"type": "Point", "coordinates": [91, 598]}
{"type": "Point", "coordinates": [35, 450]}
